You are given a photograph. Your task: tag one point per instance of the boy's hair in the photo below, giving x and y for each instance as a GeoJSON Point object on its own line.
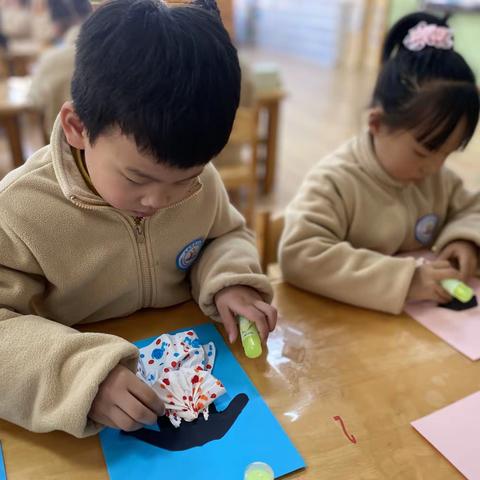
{"type": "Point", "coordinates": [167, 76]}
{"type": "Point", "coordinates": [428, 91]}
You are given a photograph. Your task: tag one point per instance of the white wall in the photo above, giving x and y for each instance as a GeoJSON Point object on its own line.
{"type": "Point", "coordinates": [313, 29]}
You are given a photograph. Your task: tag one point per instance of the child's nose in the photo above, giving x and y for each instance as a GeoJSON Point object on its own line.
{"type": "Point", "coordinates": [156, 200]}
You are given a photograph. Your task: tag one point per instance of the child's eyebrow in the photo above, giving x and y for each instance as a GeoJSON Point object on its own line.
{"type": "Point", "coordinates": [148, 177]}
{"type": "Point", "coordinates": [141, 174]}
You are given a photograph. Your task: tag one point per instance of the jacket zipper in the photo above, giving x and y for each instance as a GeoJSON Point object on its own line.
{"type": "Point", "coordinates": [145, 268]}
{"type": "Point", "coordinates": [139, 230]}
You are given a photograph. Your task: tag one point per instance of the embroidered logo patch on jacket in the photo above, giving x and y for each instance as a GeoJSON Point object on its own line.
{"type": "Point", "coordinates": [426, 228]}
{"type": "Point", "coordinates": [189, 254]}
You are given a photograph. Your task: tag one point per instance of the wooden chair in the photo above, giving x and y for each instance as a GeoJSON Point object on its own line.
{"type": "Point", "coordinates": [4, 65]}
{"type": "Point", "coordinates": [242, 175]}
{"type": "Point", "coordinates": [362, 41]}
{"type": "Point", "coordinates": [269, 230]}
{"type": "Point", "coordinates": [15, 104]}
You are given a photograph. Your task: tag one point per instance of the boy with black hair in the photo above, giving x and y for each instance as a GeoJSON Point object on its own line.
{"type": "Point", "coordinates": [123, 211]}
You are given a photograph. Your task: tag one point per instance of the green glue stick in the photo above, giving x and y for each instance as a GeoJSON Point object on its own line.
{"type": "Point", "coordinates": [457, 289]}
{"type": "Point", "coordinates": [250, 338]}
{"type": "Point", "coordinates": [259, 471]}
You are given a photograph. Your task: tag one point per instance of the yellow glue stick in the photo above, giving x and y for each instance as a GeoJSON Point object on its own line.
{"type": "Point", "coordinates": [457, 289]}
{"type": "Point", "coordinates": [250, 338]}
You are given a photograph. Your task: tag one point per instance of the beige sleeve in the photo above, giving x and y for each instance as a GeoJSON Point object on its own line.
{"type": "Point", "coordinates": [463, 215]}
{"type": "Point", "coordinates": [50, 86]}
{"type": "Point", "coordinates": [229, 258]}
{"type": "Point", "coordinates": [315, 255]}
{"type": "Point", "coordinates": [38, 92]}
{"type": "Point", "coordinates": [15, 22]}
{"type": "Point", "coordinates": [50, 373]}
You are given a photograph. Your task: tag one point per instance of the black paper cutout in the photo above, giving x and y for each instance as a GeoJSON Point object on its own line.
{"type": "Point", "coordinates": [193, 434]}
{"type": "Point", "coordinates": [457, 305]}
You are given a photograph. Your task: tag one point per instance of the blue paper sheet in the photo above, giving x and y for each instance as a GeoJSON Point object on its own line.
{"type": "Point", "coordinates": [3, 473]}
{"type": "Point", "coordinates": [255, 436]}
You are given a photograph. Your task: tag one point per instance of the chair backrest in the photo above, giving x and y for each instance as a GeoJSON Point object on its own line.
{"type": "Point", "coordinates": [269, 230]}
{"type": "Point", "coordinates": [231, 154]}
{"type": "Point", "coordinates": [237, 162]}
{"type": "Point", "coordinates": [4, 65]}
{"type": "Point", "coordinates": [245, 127]}
{"type": "Point", "coordinates": [239, 172]}
{"type": "Point", "coordinates": [234, 170]}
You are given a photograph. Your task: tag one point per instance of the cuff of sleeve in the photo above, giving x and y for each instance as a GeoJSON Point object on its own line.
{"type": "Point", "coordinates": [123, 353]}
{"type": "Point", "coordinates": [404, 287]}
{"type": "Point", "coordinates": [207, 297]}
{"type": "Point", "coordinates": [452, 235]}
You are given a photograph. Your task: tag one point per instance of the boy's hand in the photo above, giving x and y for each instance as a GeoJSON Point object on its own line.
{"type": "Point", "coordinates": [464, 254]}
{"type": "Point", "coordinates": [240, 300]}
{"type": "Point", "coordinates": [426, 281]}
{"type": "Point", "coordinates": [123, 401]}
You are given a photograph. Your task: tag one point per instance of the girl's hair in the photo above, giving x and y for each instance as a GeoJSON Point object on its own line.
{"type": "Point", "coordinates": [428, 91]}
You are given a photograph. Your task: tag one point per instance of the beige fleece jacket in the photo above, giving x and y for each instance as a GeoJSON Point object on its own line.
{"type": "Point", "coordinates": [52, 78]}
{"type": "Point", "coordinates": [16, 22]}
{"type": "Point", "coordinates": [68, 257]}
{"type": "Point", "coordinates": [349, 218]}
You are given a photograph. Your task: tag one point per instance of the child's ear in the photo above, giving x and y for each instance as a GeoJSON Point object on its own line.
{"type": "Point", "coordinates": [72, 126]}
{"type": "Point", "coordinates": [375, 117]}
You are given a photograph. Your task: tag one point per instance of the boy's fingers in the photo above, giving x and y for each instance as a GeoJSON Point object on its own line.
{"type": "Point", "coordinates": [138, 411]}
{"type": "Point", "coordinates": [229, 323]}
{"type": "Point", "coordinates": [270, 312]}
{"type": "Point", "coordinates": [122, 420]}
{"type": "Point", "coordinates": [146, 396]}
{"type": "Point", "coordinates": [102, 420]}
{"type": "Point", "coordinates": [257, 317]}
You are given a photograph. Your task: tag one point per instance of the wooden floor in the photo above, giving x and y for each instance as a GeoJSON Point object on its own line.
{"type": "Point", "coordinates": [324, 108]}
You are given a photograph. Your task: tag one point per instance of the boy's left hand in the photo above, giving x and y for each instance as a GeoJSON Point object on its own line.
{"type": "Point", "coordinates": [464, 255]}
{"type": "Point", "coordinates": [246, 301]}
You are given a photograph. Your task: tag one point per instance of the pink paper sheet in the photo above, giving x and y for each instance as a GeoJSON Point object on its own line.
{"type": "Point", "coordinates": [453, 431]}
{"type": "Point", "coordinates": [461, 329]}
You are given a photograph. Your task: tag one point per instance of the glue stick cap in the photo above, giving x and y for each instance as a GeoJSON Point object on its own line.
{"type": "Point", "coordinates": [259, 471]}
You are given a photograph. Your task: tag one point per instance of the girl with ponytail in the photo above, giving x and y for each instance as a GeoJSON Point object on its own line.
{"type": "Point", "coordinates": [388, 191]}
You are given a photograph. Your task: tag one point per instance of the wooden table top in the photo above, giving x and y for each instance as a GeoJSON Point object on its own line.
{"type": "Point", "coordinates": [376, 371]}
{"type": "Point", "coordinates": [269, 96]}
{"type": "Point", "coordinates": [24, 48]}
{"type": "Point", "coordinates": [14, 95]}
